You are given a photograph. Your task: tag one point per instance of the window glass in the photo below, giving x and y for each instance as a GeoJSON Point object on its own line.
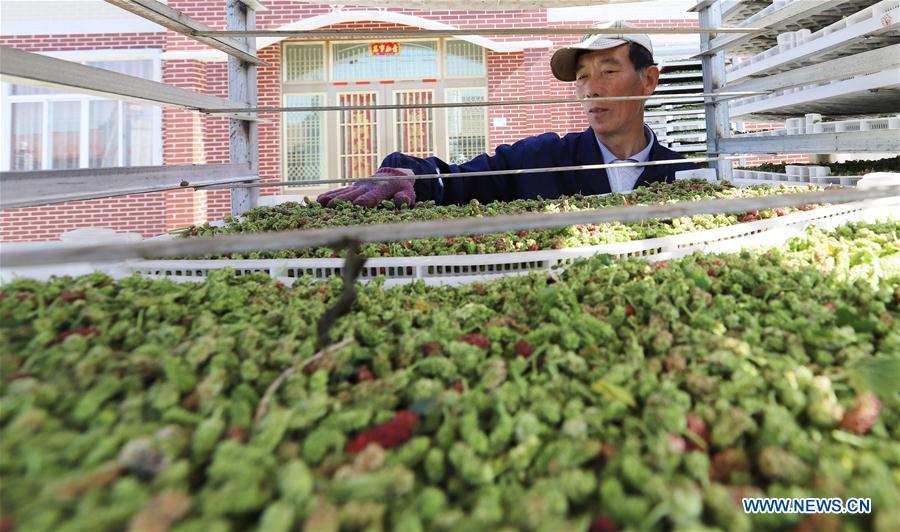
{"type": "Point", "coordinates": [138, 134]}
{"type": "Point", "coordinates": [28, 90]}
{"type": "Point", "coordinates": [466, 126]}
{"type": "Point", "coordinates": [65, 134]}
{"type": "Point", "coordinates": [304, 139]}
{"type": "Point", "coordinates": [141, 69]}
{"type": "Point", "coordinates": [464, 59]}
{"type": "Point", "coordinates": [25, 141]}
{"type": "Point", "coordinates": [358, 135]}
{"type": "Point", "coordinates": [415, 59]}
{"type": "Point", "coordinates": [304, 62]}
{"type": "Point", "coordinates": [103, 131]}
{"type": "Point", "coordinates": [414, 126]}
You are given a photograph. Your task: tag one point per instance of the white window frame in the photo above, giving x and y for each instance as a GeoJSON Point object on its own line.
{"type": "Point", "coordinates": [81, 56]}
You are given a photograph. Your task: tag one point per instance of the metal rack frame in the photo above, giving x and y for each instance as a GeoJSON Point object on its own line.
{"type": "Point", "coordinates": [17, 65]}
{"type": "Point", "coordinates": [713, 50]}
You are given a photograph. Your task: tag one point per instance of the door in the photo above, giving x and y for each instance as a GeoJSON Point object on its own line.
{"type": "Point", "coordinates": [351, 143]}
{"type": "Point", "coordinates": [365, 137]}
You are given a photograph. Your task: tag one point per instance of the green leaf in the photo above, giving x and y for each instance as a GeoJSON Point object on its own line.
{"type": "Point", "coordinates": [878, 375]}
{"type": "Point", "coordinates": [849, 439]}
{"type": "Point", "coordinates": [700, 277]}
{"type": "Point", "coordinates": [613, 392]}
{"type": "Point", "coordinates": [846, 316]}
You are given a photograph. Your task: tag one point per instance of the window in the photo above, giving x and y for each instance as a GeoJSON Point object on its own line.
{"type": "Point", "coordinates": [304, 149]}
{"type": "Point", "coordinates": [349, 144]}
{"type": "Point", "coordinates": [304, 62]}
{"type": "Point", "coordinates": [415, 60]}
{"type": "Point", "coordinates": [466, 126]}
{"type": "Point", "coordinates": [27, 136]}
{"type": "Point", "coordinates": [464, 59]}
{"type": "Point", "coordinates": [65, 126]}
{"type": "Point", "coordinates": [414, 133]}
{"type": "Point", "coordinates": [53, 130]}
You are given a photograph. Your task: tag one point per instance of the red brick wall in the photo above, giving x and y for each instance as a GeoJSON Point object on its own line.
{"type": "Point", "coordinates": [184, 137]}
{"type": "Point", "coordinates": [754, 160]}
{"type": "Point", "coordinates": [136, 213]}
{"type": "Point", "coordinates": [269, 95]}
{"type": "Point", "coordinates": [100, 41]}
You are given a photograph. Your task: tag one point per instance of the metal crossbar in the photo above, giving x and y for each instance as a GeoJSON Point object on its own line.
{"type": "Point", "coordinates": [177, 21]}
{"type": "Point", "coordinates": [18, 66]}
{"type": "Point", "coordinates": [485, 173]}
{"type": "Point", "coordinates": [452, 32]}
{"type": "Point", "coordinates": [394, 232]}
{"type": "Point", "coordinates": [43, 187]}
{"type": "Point", "coordinates": [719, 95]}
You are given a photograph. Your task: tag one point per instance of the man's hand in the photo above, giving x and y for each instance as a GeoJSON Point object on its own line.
{"type": "Point", "coordinates": [370, 193]}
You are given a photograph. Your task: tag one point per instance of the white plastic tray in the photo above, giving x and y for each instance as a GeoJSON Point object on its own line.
{"type": "Point", "coordinates": [460, 269]}
{"type": "Point", "coordinates": [859, 95]}
{"type": "Point", "coordinates": [789, 179]}
{"type": "Point", "coordinates": [859, 32]}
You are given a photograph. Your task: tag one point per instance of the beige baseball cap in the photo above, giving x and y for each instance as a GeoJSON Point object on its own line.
{"type": "Point", "coordinates": [565, 59]}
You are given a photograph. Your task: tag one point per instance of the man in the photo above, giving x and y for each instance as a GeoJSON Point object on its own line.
{"type": "Point", "coordinates": [601, 65]}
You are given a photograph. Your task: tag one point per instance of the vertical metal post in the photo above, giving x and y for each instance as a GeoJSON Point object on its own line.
{"type": "Point", "coordinates": [243, 134]}
{"type": "Point", "coordinates": [717, 123]}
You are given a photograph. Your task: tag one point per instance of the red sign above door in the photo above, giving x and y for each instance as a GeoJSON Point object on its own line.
{"type": "Point", "coordinates": [384, 48]}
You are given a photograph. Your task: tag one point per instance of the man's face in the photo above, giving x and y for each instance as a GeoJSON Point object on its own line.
{"type": "Point", "coordinates": [610, 73]}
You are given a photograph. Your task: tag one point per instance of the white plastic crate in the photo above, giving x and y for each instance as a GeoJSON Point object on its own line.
{"type": "Point", "coordinates": [821, 178]}
{"type": "Point", "coordinates": [460, 269]}
{"type": "Point", "coordinates": [762, 176]}
{"type": "Point", "coordinates": [802, 45]}
{"type": "Point", "coordinates": [863, 124]}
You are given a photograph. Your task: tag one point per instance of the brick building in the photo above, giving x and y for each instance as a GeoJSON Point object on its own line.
{"type": "Point", "coordinates": [43, 129]}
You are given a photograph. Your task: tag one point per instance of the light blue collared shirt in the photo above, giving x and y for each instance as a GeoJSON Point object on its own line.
{"type": "Point", "coordinates": [623, 179]}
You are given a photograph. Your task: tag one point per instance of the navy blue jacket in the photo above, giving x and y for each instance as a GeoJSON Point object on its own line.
{"type": "Point", "coordinates": [541, 151]}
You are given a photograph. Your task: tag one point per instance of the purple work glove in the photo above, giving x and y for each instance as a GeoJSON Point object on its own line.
{"type": "Point", "coordinates": [371, 193]}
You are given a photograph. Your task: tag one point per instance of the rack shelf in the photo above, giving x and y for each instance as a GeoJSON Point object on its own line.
{"type": "Point", "coordinates": [683, 75]}
{"type": "Point", "coordinates": [688, 148]}
{"type": "Point", "coordinates": [692, 87]}
{"type": "Point", "coordinates": [674, 112]}
{"type": "Point", "coordinates": [665, 66]}
{"type": "Point", "coordinates": [783, 16]}
{"type": "Point", "coordinates": [734, 11]}
{"type": "Point", "coordinates": [26, 189]}
{"type": "Point", "coordinates": [879, 141]}
{"type": "Point", "coordinates": [877, 93]}
{"type": "Point", "coordinates": [871, 28]}
{"type": "Point", "coordinates": [878, 60]}
{"type": "Point", "coordinates": [32, 68]}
